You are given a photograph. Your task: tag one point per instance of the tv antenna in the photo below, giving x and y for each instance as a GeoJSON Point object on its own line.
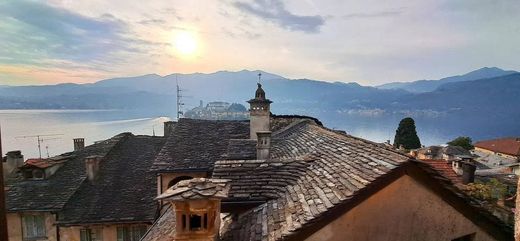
{"type": "Point", "coordinates": [180, 97]}
{"type": "Point", "coordinates": [41, 139]}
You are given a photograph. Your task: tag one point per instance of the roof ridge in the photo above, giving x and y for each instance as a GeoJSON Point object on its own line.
{"type": "Point", "coordinates": [282, 133]}
{"type": "Point", "coordinates": [346, 135]}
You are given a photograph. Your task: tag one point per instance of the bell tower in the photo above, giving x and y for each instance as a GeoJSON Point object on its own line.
{"type": "Point", "coordinates": [259, 112]}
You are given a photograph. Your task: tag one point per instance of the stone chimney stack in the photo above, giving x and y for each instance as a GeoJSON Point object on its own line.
{"type": "Point", "coordinates": [259, 113]}
{"type": "Point", "coordinates": [92, 166]}
{"type": "Point", "coordinates": [168, 127]}
{"type": "Point", "coordinates": [263, 145]}
{"type": "Point", "coordinates": [468, 172]}
{"type": "Point", "coordinates": [14, 160]}
{"type": "Point", "coordinates": [79, 143]}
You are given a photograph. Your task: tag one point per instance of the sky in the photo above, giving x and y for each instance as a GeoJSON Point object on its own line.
{"type": "Point", "coordinates": [366, 41]}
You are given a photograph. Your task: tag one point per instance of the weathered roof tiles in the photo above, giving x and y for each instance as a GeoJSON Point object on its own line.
{"type": "Point", "coordinates": [197, 188]}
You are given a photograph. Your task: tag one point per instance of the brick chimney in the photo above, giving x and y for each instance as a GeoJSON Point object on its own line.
{"type": "Point", "coordinates": [92, 167]}
{"type": "Point", "coordinates": [259, 113]}
{"type": "Point", "coordinates": [79, 143]}
{"type": "Point", "coordinates": [263, 145]}
{"type": "Point", "coordinates": [168, 127]}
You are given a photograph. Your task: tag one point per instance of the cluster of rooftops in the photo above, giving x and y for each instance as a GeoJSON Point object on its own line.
{"type": "Point", "coordinates": [311, 175]}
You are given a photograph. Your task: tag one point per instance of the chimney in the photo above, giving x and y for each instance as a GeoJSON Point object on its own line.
{"type": "Point", "coordinates": [197, 206]}
{"type": "Point", "coordinates": [79, 143]}
{"type": "Point", "coordinates": [168, 127]}
{"type": "Point", "coordinates": [263, 145]}
{"type": "Point", "coordinates": [468, 172]}
{"type": "Point", "coordinates": [14, 160]}
{"type": "Point", "coordinates": [92, 166]}
{"type": "Point", "coordinates": [259, 113]}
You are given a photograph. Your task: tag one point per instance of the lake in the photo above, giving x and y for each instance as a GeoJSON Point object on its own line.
{"type": "Point", "coordinates": [59, 127]}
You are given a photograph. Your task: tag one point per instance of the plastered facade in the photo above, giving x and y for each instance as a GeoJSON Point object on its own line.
{"type": "Point", "coordinates": [404, 210]}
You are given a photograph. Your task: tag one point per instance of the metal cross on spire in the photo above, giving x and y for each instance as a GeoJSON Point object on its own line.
{"type": "Point", "coordinates": [259, 77]}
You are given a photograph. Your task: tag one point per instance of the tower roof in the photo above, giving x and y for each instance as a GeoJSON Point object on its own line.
{"type": "Point", "coordinates": [259, 95]}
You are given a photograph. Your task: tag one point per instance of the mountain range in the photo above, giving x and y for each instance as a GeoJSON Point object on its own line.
{"type": "Point", "coordinates": [430, 85]}
{"type": "Point", "coordinates": [483, 103]}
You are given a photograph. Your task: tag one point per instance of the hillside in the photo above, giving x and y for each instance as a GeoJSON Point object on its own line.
{"type": "Point", "coordinates": [481, 108]}
{"type": "Point", "coordinates": [421, 86]}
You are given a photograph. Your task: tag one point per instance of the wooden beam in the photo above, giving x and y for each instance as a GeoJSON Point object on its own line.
{"type": "Point", "coordinates": [3, 211]}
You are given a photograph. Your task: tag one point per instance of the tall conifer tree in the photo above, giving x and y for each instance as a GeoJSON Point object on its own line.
{"type": "Point", "coordinates": [406, 135]}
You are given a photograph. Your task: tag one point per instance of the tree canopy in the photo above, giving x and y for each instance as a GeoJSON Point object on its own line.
{"type": "Point", "coordinates": [235, 107]}
{"type": "Point", "coordinates": [462, 141]}
{"type": "Point", "coordinates": [406, 135]}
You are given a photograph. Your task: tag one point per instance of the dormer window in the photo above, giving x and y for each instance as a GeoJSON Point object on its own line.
{"type": "Point", "coordinates": [33, 174]}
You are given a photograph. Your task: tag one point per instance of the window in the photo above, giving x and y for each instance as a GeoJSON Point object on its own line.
{"type": "Point", "coordinates": [195, 222]}
{"type": "Point", "coordinates": [38, 174]}
{"type": "Point", "coordinates": [131, 233]}
{"type": "Point", "coordinates": [469, 237]}
{"type": "Point", "coordinates": [91, 234]}
{"type": "Point", "coordinates": [33, 226]}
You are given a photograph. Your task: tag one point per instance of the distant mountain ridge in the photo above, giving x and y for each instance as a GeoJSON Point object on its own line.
{"type": "Point", "coordinates": [421, 86]}
{"type": "Point", "coordinates": [479, 108]}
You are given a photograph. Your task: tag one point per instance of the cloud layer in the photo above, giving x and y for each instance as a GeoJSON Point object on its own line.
{"type": "Point", "coordinates": [370, 41]}
{"type": "Point", "coordinates": [276, 12]}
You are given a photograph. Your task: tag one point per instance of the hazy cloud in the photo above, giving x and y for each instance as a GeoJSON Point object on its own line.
{"type": "Point", "coordinates": [276, 12]}
{"type": "Point", "coordinates": [373, 15]}
{"type": "Point", "coordinates": [34, 31]}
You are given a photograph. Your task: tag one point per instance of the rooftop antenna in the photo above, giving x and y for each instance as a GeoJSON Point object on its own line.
{"type": "Point", "coordinates": [153, 130]}
{"type": "Point", "coordinates": [40, 140]}
{"type": "Point", "coordinates": [260, 78]}
{"type": "Point", "coordinates": [180, 103]}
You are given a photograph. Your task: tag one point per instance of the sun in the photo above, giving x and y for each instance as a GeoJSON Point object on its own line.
{"type": "Point", "coordinates": [185, 43]}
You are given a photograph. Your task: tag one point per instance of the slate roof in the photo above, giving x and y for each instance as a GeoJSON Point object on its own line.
{"type": "Point", "coordinates": [335, 168]}
{"type": "Point", "coordinates": [312, 169]}
{"type": "Point", "coordinates": [197, 144]}
{"type": "Point", "coordinates": [124, 189]}
{"type": "Point", "coordinates": [240, 149]}
{"type": "Point", "coordinates": [314, 173]}
{"type": "Point", "coordinates": [53, 193]}
{"type": "Point", "coordinates": [510, 146]}
{"type": "Point", "coordinates": [197, 188]}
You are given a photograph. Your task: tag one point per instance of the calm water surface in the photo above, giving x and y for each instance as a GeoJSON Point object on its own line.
{"type": "Point", "coordinates": [64, 125]}
{"type": "Point", "coordinates": [95, 125]}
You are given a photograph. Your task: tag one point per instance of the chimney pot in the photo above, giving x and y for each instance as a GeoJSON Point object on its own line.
{"type": "Point", "coordinates": [79, 143]}
{"type": "Point", "coordinates": [263, 145]}
{"type": "Point", "coordinates": [92, 167]}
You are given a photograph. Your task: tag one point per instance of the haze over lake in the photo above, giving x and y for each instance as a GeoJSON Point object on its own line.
{"type": "Point", "coordinates": [95, 125]}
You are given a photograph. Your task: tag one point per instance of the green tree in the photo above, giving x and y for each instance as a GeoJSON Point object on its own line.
{"type": "Point", "coordinates": [406, 135]}
{"type": "Point", "coordinates": [462, 141]}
